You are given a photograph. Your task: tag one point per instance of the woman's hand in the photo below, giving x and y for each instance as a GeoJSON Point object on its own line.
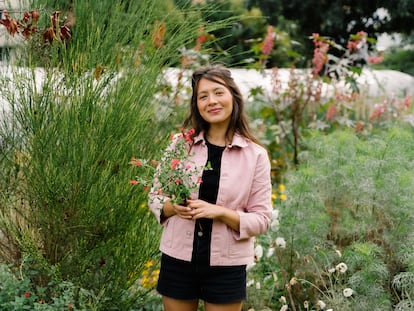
{"type": "Point", "coordinates": [202, 209]}
{"type": "Point", "coordinates": [182, 211]}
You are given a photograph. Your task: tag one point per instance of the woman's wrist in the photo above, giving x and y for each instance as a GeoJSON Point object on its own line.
{"type": "Point", "coordinates": [167, 209]}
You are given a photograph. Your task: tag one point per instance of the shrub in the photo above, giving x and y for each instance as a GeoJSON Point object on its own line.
{"type": "Point", "coordinates": [347, 223]}
{"type": "Point", "coordinates": [66, 141]}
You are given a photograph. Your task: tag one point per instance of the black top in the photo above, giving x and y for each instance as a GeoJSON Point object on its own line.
{"type": "Point", "coordinates": [208, 192]}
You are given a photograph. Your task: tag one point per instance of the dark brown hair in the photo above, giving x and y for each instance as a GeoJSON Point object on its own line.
{"type": "Point", "coordinates": [238, 120]}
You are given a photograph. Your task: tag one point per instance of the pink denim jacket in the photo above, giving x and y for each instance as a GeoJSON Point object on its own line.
{"type": "Point", "coordinates": [245, 187]}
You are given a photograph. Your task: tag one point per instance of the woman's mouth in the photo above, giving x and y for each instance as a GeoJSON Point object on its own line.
{"type": "Point", "coordinates": [214, 110]}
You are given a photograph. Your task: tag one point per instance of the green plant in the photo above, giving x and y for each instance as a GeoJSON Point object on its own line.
{"type": "Point", "coordinates": [18, 292]}
{"type": "Point", "coordinates": [66, 140]}
{"type": "Point", "coordinates": [350, 201]}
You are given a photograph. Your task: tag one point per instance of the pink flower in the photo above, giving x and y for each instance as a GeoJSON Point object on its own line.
{"type": "Point", "coordinates": [133, 182]}
{"type": "Point", "coordinates": [375, 59]}
{"type": "Point", "coordinates": [319, 58]}
{"type": "Point", "coordinates": [268, 43]}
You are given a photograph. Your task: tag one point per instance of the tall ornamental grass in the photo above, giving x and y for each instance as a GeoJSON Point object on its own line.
{"type": "Point", "coordinates": [77, 111]}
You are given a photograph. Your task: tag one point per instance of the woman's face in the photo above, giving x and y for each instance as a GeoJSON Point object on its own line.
{"type": "Point", "coordinates": [214, 102]}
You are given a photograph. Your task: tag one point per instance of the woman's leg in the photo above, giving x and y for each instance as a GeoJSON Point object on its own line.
{"type": "Point", "coordinates": [171, 304]}
{"type": "Point", "coordinates": [234, 306]}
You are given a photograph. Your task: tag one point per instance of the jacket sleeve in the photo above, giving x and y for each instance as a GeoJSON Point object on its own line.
{"type": "Point", "coordinates": [256, 218]}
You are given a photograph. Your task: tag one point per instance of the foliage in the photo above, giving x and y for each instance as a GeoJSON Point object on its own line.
{"type": "Point", "coordinates": [18, 292]}
{"type": "Point", "coordinates": [66, 139]}
{"type": "Point", "coordinates": [347, 222]}
{"type": "Point", "coordinates": [338, 19]}
{"type": "Point", "coordinates": [300, 102]}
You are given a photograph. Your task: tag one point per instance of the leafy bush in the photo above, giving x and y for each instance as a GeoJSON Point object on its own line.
{"type": "Point", "coordinates": [347, 223]}
{"type": "Point", "coordinates": [66, 141]}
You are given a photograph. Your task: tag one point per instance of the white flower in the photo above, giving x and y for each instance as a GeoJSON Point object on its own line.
{"type": "Point", "coordinates": [282, 299]}
{"type": "Point", "coordinates": [321, 304]}
{"type": "Point", "coordinates": [250, 266]}
{"type": "Point", "coordinates": [284, 308]}
{"type": "Point", "coordinates": [280, 242]}
{"type": "Point", "coordinates": [348, 292]}
{"type": "Point", "coordinates": [293, 281]}
{"type": "Point", "coordinates": [270, 252]}
{"type": "Point", "coordinates": [331, 270]}
{"type": "Point", "coordinates": [274, 225]}
{"type": "Point", "coordinates": [250, 283]}
{"type": "Point", "coordinates": [258, 252]}
{"type": "Point", "coordinates": [258, 285]}
{"type": "Point", "coordinates": [306, 304]}
{"type": "Point", "coordinates": [339, 253]}
{"type": "Point", "coordinates": [341, 267]}
{"type": "Point", "coordinates": [329, 310]}
{"type": "Point", "coordinates": [275, 214]}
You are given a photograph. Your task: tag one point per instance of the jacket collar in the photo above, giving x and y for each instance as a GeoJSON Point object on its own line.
{"type": "Point", "coordinates": [238, 140]}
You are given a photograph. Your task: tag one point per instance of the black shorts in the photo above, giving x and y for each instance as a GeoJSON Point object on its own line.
{"type": "Point", "coordinates": [184, 280]}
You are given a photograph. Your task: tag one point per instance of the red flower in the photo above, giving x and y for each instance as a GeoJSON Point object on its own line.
{"type": "Point", "coordinates": [26, 295]}
{"type": "Point", "coordinates": [65, 32]}
{"type": "Point", "coordinates": [133, 182]}
{"type": "Point", "coordinates": [407, 101]}
{"type": "Point", "coordinates": [174, 163]}
{"type": "Point", "coordinates": [377, 113]}
{"type": "Point", "coordinates": [35, 16]}
{"type": "Point", "coordinates": [135, 162]}
{"type": "Point", "coordinates": [49, 35]}
{"type": "Point", "coordinates": [188, 136]}
{"type": "Point", "coordinates": [331, 113]}
{"type": "Point", "coordinates": [70, 307]}
{"type": "Point", "coordinates": [359, 126]}
{"type": "Point", "coordinates": [178, 181]}
{"type": "Point", "coordinates": [10, 24]}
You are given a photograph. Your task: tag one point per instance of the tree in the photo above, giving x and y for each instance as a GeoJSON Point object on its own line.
{"type": "Point", "coordinates": [339, 19]}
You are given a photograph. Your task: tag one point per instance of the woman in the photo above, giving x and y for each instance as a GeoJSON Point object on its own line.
{"type": "Point", "coordinates": [207, 244]}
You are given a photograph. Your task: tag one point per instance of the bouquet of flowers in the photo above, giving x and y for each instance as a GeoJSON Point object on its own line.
{"type": "Point", "coordinates": [175, 176]}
